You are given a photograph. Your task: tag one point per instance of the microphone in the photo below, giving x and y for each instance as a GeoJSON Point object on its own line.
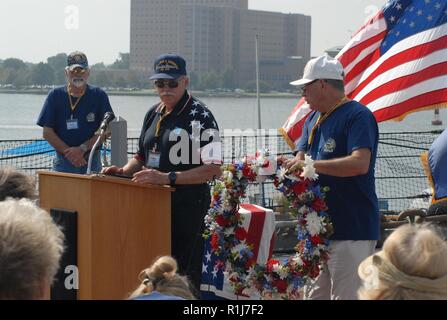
{"type": "Point", "coordinates": [108, 117]}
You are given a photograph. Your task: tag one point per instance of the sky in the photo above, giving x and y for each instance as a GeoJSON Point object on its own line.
{"type": "Point", "coordinates": [33, 30]}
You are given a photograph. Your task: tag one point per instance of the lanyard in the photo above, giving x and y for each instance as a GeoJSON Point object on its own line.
{"type": "Point", "coordinates": [73, 106]}
{"type": "Point", "coordinates": [163, 116]}
{"type": "Point", "coordinates": [321, 119]}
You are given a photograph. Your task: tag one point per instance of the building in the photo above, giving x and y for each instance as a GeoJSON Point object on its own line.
{"type": "Point", "coordinates": [219, 35]}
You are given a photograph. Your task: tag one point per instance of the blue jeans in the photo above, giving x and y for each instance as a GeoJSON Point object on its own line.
{"type": "Point", "coordinates": [62, 164]}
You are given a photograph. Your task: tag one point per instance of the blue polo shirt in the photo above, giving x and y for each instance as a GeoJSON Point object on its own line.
{"type": "Point", "coordinates": [352, 201]}
{"type": "Point", "coordinates": [437, 159]}
{"type": "Point", "coordinates": [89, 114]}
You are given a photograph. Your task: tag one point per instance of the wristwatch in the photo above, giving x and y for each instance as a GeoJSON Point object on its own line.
{"type": "Point", "coordinates": [172, 177]}
{"type": "Point", "coordinates": [84, 147]}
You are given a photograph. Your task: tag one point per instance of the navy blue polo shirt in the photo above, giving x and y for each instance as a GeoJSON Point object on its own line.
{"type": "Point", "coordinates": [437, 160]}
{"type": "Point", "coordinates": [352, 201]}
{"type": "Point", "coordinates": [89, 114]}
{"type": "Point", "coordinates": [182, 135]}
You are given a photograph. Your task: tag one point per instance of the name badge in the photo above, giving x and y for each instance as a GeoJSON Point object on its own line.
{"type": "Point", "coordinates": [72, 124]}
{"type": "Point", "coordinates": [154, 159]}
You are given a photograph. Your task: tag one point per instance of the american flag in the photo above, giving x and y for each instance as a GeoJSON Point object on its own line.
{"type": "Point", "coordinates": [395, 64]}
{"type": "Point", "coordinates": [259, 223]}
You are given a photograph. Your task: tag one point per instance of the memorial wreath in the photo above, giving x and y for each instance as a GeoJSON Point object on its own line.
{"type": "Point", "coordinates": [282, 278]}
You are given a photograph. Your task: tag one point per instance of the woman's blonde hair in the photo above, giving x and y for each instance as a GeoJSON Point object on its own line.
{"type": "Point", "coordinates": [162, 277]}
{"type": "Point", "coordinates": [411, 266]}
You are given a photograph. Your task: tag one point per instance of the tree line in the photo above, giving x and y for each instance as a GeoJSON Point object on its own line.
{"type": "Point", "coordinates": [15, 73]}
{"type": "Point", "coordinates": [19, 74]}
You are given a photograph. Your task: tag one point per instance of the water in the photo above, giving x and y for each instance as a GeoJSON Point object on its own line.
{"type": "Point", "coordinates": [19, 113]}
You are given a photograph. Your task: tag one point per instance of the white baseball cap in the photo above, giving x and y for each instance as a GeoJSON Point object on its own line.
{"type": "Point", "coordinates": [323, 67]}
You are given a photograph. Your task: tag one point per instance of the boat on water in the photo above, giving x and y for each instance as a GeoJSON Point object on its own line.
{"type": "Point", "coordinates": [436, 119]}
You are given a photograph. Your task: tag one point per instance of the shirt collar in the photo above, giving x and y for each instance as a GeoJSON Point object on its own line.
{"type": "Point", "coordinates": [179, 107]}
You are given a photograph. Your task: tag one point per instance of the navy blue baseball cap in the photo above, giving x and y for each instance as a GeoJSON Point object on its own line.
{"type": "Point", "coordinates": [77, 59]}
{"type": "Point", "coordinates": [169, 66]}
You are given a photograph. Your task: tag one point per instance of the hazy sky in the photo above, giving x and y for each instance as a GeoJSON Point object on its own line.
{"type": "Point", "coordinates": [33, 30]}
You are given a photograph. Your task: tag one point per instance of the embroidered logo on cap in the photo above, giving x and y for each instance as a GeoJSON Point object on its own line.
{"type": "Point", "coordinates": [166, 66]}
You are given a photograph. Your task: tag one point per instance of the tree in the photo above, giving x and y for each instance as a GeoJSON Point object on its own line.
{"type": "Point", "coordinates": [210, 80]}
{"type": "Point", "coordinates": [122, 62]}
{"type": "Point", "coordinates": [251, 86]}
{"type": "Point", "coordinates": [193, 80]}
{"type": "Point", "coordinates": [23, 77]}
{"type": "Point", "coordinates": [42, 74]}
{"type": "Point", "coordinates": [228, 78]}
{"type": "Point", "coordinates": [18, 78]}
{"type": "Point", "coordinates": [13, 63]}
{"type": "Point", "coordinates": [58, 64]}
{"type": "Point", "coordinates": [3, 75]}
{"type": "Point", "coordinates": [121, 82]}
{"type": "Point", "coordinates": [99, 66]}
{"type": "Point", "coordinates": [101, 79]}
{"type": "Point", "coordinates": [134, 80]}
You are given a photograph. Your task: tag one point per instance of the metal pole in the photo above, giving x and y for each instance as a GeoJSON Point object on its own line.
{"type": "Point", "coordinates": [261, 184]}
{"type": "Point", "coordinates": [257, 83]}
{"type": "Point", "coordinates": [90, 157]}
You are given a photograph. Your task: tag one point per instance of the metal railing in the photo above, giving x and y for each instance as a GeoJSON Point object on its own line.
{"type": "Point", "coordinates": [400, 178]}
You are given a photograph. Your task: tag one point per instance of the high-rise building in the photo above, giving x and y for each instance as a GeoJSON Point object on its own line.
{"type": "Point", "coordinates": [219, 35]}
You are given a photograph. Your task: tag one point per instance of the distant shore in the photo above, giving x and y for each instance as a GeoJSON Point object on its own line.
{"type": "Point", "coordinates": [153, 93]}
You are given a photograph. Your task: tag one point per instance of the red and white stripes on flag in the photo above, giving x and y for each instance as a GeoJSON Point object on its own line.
{"type": "Point", "coordinates": [259, 223]}
{"type": "Point", "coordinates": [395, 64]}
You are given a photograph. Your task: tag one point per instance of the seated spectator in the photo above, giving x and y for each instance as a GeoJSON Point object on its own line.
{"type": "Point", "coordinates": [15, 184]}
{"type": "Point", "coordinates": [411, 266]}
{"type": "Point", "coordinates": [31, 246]}
{"type": "Point", "coordinates": [162, 282]}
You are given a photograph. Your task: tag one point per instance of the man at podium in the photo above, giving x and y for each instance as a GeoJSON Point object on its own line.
{"type": "Point", "coordinates": [179, 145]}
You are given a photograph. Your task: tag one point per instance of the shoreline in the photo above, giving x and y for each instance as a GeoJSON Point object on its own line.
{"type": "Point", "coordinates": [142, 93]}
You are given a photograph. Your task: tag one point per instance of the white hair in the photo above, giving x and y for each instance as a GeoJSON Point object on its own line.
{"type": "Point", "coordinates": [31, 245]}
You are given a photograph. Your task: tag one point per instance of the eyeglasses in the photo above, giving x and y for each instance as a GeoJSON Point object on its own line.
{"type": "Point", "coordinates": [303, 88]}
{"type": "Point", "coordinates": [171, 83]}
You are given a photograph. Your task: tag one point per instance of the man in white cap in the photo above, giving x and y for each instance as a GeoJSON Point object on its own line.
{"type": "Point", "coordinates": [341, 135]}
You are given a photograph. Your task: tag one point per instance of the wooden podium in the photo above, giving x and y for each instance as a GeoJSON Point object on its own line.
{"type": "Point", "coordinates": [121, 228]}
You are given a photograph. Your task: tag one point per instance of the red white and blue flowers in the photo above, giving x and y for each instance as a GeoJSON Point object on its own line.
{"type": "Point", "coordinates": [281, 279]}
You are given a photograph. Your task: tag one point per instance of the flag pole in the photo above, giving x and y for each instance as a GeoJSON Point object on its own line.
{"type": "Point", "coordinates": [258, 100]}
{"type": "Point", "coordinates": [257, 82]}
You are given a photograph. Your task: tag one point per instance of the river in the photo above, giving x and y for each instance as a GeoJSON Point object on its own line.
{"type": "Point", "coordinates": [20, 111]}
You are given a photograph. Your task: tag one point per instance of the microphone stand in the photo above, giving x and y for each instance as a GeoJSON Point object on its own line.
{"type": "Point", "coordinates": [90, 157]}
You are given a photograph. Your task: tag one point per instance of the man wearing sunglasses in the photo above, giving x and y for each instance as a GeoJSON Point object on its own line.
{"type": "Point", "coordinates": [71, 115]}
{"type": "Point", "coordinates": [179, 145]}
{"type": "Point", "coordinates": [341, 135]}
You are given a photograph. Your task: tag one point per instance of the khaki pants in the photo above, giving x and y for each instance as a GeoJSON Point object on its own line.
{"type": "Point", "coordinates": [339, 280]}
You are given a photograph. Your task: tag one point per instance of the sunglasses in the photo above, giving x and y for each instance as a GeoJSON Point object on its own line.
{"type": "Point", "coordinates": [78, 71]}
{"type": "Point", "coordinates": [171, 83]}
